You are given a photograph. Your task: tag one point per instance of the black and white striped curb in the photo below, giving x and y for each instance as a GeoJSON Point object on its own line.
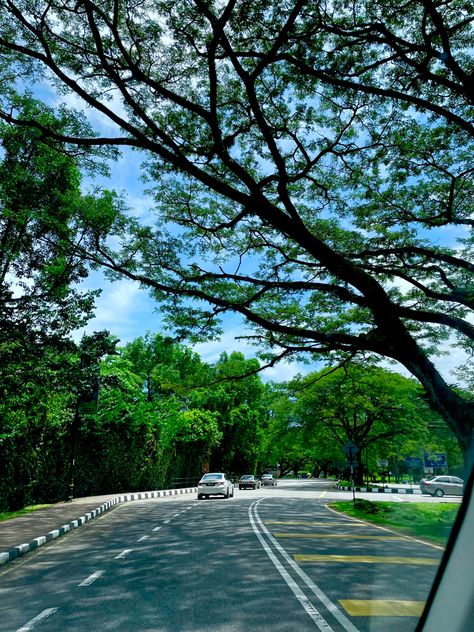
{"type": "Point", "coordinates": [380, 490]}
{"type": "Point", "coordinates": [17, 551]}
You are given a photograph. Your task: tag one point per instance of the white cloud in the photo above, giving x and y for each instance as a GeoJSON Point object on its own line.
{"type": "Point", "coordinates": [123, 307]}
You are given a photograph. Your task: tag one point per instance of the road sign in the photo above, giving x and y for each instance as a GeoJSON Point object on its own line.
{"type": "Point", "coordinates": [350, 448]}
{"type": "Point", "coordinates": [435, 459]}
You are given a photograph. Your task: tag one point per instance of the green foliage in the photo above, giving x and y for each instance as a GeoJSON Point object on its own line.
{"type": "Point", "coordinates": [310, 163]}
{"type": "Point", "coordinates": [42, 371]}
{"type": "Point", "coordinates": [381, 412]}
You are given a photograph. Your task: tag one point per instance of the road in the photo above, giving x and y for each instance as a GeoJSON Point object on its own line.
{"type": "Point", "coordinates": [275, 559]}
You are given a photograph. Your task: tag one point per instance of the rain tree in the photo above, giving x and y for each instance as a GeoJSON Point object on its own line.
{"type": "Point", "coordinates": [375, 409]}
{"type": "Point", "coordinates": [310, 163]}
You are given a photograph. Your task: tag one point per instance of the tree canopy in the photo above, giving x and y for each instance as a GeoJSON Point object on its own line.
{"type": "Point", "coordinates": [366, 405]}
{"type": "Point", "coordinates": [310, 163]}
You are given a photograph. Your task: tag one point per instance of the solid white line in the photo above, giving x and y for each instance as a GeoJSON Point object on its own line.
{"type": "Point", "coordinates": [317, 618]}
{"type": "Point", "coordinates": [88, 581]}
{"type": "Point", "coordinates": [40, 617]}
{"type": "Point", "coordinates": [144, 537]}
{"type": "Point", "coordinates": [333, 609]}
{"type": "Point", "coordinates": [123, 554]}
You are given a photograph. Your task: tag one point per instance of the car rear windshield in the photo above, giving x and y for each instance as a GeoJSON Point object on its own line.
{"type": "Point", "coordinates": [210, 477]}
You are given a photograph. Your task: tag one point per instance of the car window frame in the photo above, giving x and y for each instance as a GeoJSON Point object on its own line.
{"type": "Point", "coordinates": [449, 605]}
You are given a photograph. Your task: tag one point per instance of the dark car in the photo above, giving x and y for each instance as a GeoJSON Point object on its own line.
{"type": "Point", "coordinates": [441, 485]}
{"type": "Point", "coordinates": [248, 481]}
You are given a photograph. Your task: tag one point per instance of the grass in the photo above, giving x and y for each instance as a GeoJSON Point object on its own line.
{"type": "Point", "coordinates": [7, 515]}
{"type": "Point", "coordinates": [431, 522]}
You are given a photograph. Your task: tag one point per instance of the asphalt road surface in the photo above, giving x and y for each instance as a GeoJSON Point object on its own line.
{"type": "Point", "coordinates": [269, 560]}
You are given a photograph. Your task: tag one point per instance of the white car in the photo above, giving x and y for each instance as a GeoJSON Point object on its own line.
{"type": "Point", "coordinates": [267, 479]}
{"type": "Point", "coordinates": [441, 485]}
{"type": "Point", "coordinates": [215, 484]}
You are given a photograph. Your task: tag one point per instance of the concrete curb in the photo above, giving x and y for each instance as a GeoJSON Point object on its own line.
{"type": "Point", "coordinates": [380, 490]}
{"type": "Point", "coordinates": [21, 549]}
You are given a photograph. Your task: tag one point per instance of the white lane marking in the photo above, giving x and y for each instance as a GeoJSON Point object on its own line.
{"type": "Point", "coordinates": [399, 500]}
{"type": "Point", "coordinates": [166, 521]}
{"type": "Point", "coordinates": [156, 529]}
{"type": "Point", "coordinates": [317, 618]}
{"type": "Point", "coordinates": [123, 554]}
{"type": "Point", "coordinates": [144, 537]}
{"type": "Point", "coordinates": [88, 580]}
{"type": "Point", "coordinates": [176, 515]}
{"type": "Point", "coordinates": [333, 609]}
{"type": "Point", "coordinates": [40, 617]}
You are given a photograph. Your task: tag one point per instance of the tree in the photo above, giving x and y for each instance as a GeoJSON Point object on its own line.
{"type": "Point", "coordinates": [283, 443]}
{"type": "Point", "coordinates": [366, 405]}
{"type": "Point", "coordinates": [308, 157]}
{"type": "Point", "coordinates": [240, 407]}
{"type": "Point", "coordinates": [40, 306]}
{"type": "Point", "coordinates": [165, 366]}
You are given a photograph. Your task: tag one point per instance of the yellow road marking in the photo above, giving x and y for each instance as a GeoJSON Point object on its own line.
{"type": "Point", "coordinates": [366, 559]}
{"type": "Point", "coordinates": [340, 536]}
{"type": "Point", "coordinates": [382, 607]}
{"type": "Point", "coordinates": [318, 524]}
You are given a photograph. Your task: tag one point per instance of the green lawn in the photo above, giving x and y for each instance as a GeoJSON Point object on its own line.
{"type": "Point", "coordinates": [428, 521]}
{"type": "Point", "coordinates": [6, 515]}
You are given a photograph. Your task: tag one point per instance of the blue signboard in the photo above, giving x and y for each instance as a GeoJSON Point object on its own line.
{"type": "Point", "coordinates": [435, 459]}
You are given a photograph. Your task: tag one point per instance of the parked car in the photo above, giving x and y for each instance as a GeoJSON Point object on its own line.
{"type": "Point", "coordinates": [441, 485]}
{"type": "Point", "coordinates": [249, 481]}
{"type": "Point", "coordinates": [215, 484]}
{"type": "Point", "coordinates": [268, 480]}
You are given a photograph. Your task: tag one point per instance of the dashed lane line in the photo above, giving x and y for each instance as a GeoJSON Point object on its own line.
{"type": "Point", "coordinates": [157, 528]}
{"type": "Point", "coordinates": [89, 580]}
{"type": "Point", "coordinates": [144, 537]}
{"type": "Point", "coordinates": [382, 607]}
{"type": "Point", "coordinates": [367, 559]}
{"type": "Point", "coordinates": [38, 619]}
{"type": "Point", "coordinates": [123, 554]}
